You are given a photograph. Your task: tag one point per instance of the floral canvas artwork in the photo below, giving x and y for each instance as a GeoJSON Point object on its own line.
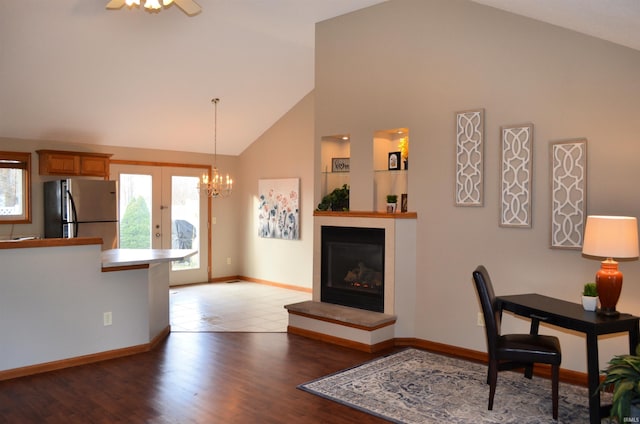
{"type": "Point", "coordinates": [278, 209]}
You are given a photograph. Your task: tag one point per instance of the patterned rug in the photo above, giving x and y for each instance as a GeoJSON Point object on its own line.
{"type": "Point", "coordinates": [415, 386]}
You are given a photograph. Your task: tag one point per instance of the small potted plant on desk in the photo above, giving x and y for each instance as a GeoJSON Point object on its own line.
{"type": "Point", "coordinates": [392, 203]}
{"type": "Point", "coordinates": [623, 373]}
{"type": "Point", "coordinates": [590, 297]}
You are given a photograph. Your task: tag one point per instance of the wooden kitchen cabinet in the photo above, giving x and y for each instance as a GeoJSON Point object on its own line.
{"type": "Point", "coordinates": [59, 162]}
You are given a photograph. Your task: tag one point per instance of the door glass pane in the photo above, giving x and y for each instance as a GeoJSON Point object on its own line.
{"type": "Point", "coordinates": [185, 217]}
{"type": "Point", "coordinates": [135, 214]}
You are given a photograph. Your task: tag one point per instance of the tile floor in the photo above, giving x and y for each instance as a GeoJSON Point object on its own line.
{"type": "Point", "coordinates": [235, 306]}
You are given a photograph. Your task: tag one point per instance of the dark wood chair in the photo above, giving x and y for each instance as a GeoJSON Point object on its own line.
{"type": "Point", "coordinates": [514, 351]}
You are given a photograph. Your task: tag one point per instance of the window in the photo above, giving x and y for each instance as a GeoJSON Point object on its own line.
{"type": "Point", "coordinates": [15, 187]}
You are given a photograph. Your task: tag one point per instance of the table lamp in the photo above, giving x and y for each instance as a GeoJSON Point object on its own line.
{"type": "Point", "coordinates": [610, 237]}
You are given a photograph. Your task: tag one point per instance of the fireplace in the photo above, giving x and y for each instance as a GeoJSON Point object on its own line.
{"type": "Point", "coordinates": [352, 267]}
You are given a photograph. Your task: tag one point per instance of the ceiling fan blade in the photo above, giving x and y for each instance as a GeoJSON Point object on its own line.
{"type": "Point", "coordinates": [115, 4]}
{"type": "Point", "coordinates": [189, 7]}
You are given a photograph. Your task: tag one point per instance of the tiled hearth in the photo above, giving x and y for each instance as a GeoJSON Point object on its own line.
{"type": "Point", "coordinates": [399, 282]}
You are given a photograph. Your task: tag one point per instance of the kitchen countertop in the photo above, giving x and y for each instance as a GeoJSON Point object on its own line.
{"type": "Point", "coordinates": [24, 243]}
{"type": "Point", "coordinates": [110, 258]}
{"type": "Point", "coordinates": [132, 257]}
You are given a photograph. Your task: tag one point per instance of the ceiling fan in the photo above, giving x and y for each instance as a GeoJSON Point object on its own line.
{"type": "Point", "coordinates": [189, 7]}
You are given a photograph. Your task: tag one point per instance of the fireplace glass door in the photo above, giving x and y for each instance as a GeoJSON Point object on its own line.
{"type": "Point", "coordinates": [352, 267]}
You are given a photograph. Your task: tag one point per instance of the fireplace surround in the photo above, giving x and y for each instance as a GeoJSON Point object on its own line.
{"type": "Point", "coordinates": [399, 259]}
{"type": "Point", "coordinates": [354, 327]}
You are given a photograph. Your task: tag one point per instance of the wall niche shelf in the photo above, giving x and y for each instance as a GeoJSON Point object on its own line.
{"type": "Point", "coordinates": [335, 151]}
{"type": "Point", "coordinates": [390, 173]}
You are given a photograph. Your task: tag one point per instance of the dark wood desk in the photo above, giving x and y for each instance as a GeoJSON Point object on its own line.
{"type": "Point", "coordinates": [572, 316]}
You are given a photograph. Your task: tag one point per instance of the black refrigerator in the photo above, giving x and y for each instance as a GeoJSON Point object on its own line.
{"type": "Point", "coordinates": [82, 208]}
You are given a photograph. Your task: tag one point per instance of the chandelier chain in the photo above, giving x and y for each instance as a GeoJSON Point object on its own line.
{"type": "Point", "coordinates": [216, 185]}
{"type": "Point", "coordinates": [215, 101]}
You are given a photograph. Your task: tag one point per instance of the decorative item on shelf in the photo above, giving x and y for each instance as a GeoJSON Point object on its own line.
{"type": "Point", "coordinates": [340, 164]}
{"type": "Point", "coordinates": [610, 237]}
{"type": "Point", "coordinates": [590, 297]}
{"type": "Point", "coordinates": [392, 203]}
{"type": "Point", "coordinates": [623, 372]}
{"type": "Point", "coordinates": [216, 185]}
{"type": "Point", "coordinates": [189, 7]}
{"type": "Point", "coordinates": [404, 151]}
{"type": "Point", "coordinates": [394, 161]}
{"type": "Point", "coordinates": [404, 204]}
{"type": "Point", "coordinates": [337, 200]}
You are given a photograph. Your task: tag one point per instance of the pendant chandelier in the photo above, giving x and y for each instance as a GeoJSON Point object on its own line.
{"type": "Point", "coordinates": [217, 185]}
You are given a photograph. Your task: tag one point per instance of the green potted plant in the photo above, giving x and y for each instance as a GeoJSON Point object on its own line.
{"type": "Point", "coordinates": [623, 375]}
{"type": "Point", "coordinates": [337, 200]}
{"type": "Point", "coordinates": [392, 203]}
{"type": "Point", "coordinates": [590, 297]}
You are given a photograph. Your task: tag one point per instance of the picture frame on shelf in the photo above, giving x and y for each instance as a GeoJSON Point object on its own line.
{"type": "Point", "coordinates": [394, 161]}
{"type": "Point", "coordinates": [340, 164]}
{"type": "Point", "coordinates": [404, 204]}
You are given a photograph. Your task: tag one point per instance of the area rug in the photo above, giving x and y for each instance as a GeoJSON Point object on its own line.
{"type": "Point", "coordinates": [416, 386]}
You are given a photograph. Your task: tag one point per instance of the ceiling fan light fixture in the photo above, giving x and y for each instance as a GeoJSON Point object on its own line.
{"type": "Point", "coordinates": [152, 4]}
{"type": "Point", "coordinates": [190, 7]}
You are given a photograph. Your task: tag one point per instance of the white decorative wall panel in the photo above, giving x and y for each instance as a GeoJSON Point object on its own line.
{"type": "Point", "coordinates": [516, 177]}
{"type": "Point", "coordinates": [568, 193]}
{"type": "Point", "coordinates": [469, 158]}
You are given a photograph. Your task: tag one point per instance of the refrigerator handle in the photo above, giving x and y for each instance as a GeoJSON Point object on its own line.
{"type": "Point", "coordinates": [74, 215]}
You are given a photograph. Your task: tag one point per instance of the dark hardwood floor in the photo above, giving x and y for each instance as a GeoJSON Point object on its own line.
{"type": "Point", "coordinates": [191, 378]}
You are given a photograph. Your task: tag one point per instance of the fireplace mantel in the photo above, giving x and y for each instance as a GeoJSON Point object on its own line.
{"type": "Point", "coordinates": [366, 214]}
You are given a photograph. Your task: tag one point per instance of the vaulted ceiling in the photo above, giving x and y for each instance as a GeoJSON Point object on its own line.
{"type": "Point", "coordinates": [70, 70]}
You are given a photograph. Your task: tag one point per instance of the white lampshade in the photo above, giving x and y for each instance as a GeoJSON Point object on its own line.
{"type": "Point", "coordinates": [611, 237]}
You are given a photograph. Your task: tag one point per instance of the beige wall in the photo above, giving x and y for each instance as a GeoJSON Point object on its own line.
{"type": "Point", "coordinates": [283, 151]}
{"type": "Point", "coordinates": [414, 63]}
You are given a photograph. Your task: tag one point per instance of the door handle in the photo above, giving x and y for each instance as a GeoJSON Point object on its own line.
{"type": "Point", "coordinates": [157, 235]}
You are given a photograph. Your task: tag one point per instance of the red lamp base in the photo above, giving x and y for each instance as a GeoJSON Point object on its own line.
{"type": "Point", "coordinates": [609, 285]}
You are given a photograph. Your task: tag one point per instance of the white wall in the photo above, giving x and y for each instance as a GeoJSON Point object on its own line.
{"type": "Point", "coordinates": [54, 310]}
{"type": "Point", "coordinates": [413, 64]}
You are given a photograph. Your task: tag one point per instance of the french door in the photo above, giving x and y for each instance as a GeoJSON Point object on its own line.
{"type": "Point", "coordinates": [161, 208]}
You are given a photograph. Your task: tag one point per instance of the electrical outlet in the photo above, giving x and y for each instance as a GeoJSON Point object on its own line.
{"type": "Point", "coordinates": [213, 220]}
{"type": "Point", "coordinates": [107, 319]}
{"type": "Point", "coordinates": [228, 261]}
{"type": "Point", "coordinates": [480, 321]}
